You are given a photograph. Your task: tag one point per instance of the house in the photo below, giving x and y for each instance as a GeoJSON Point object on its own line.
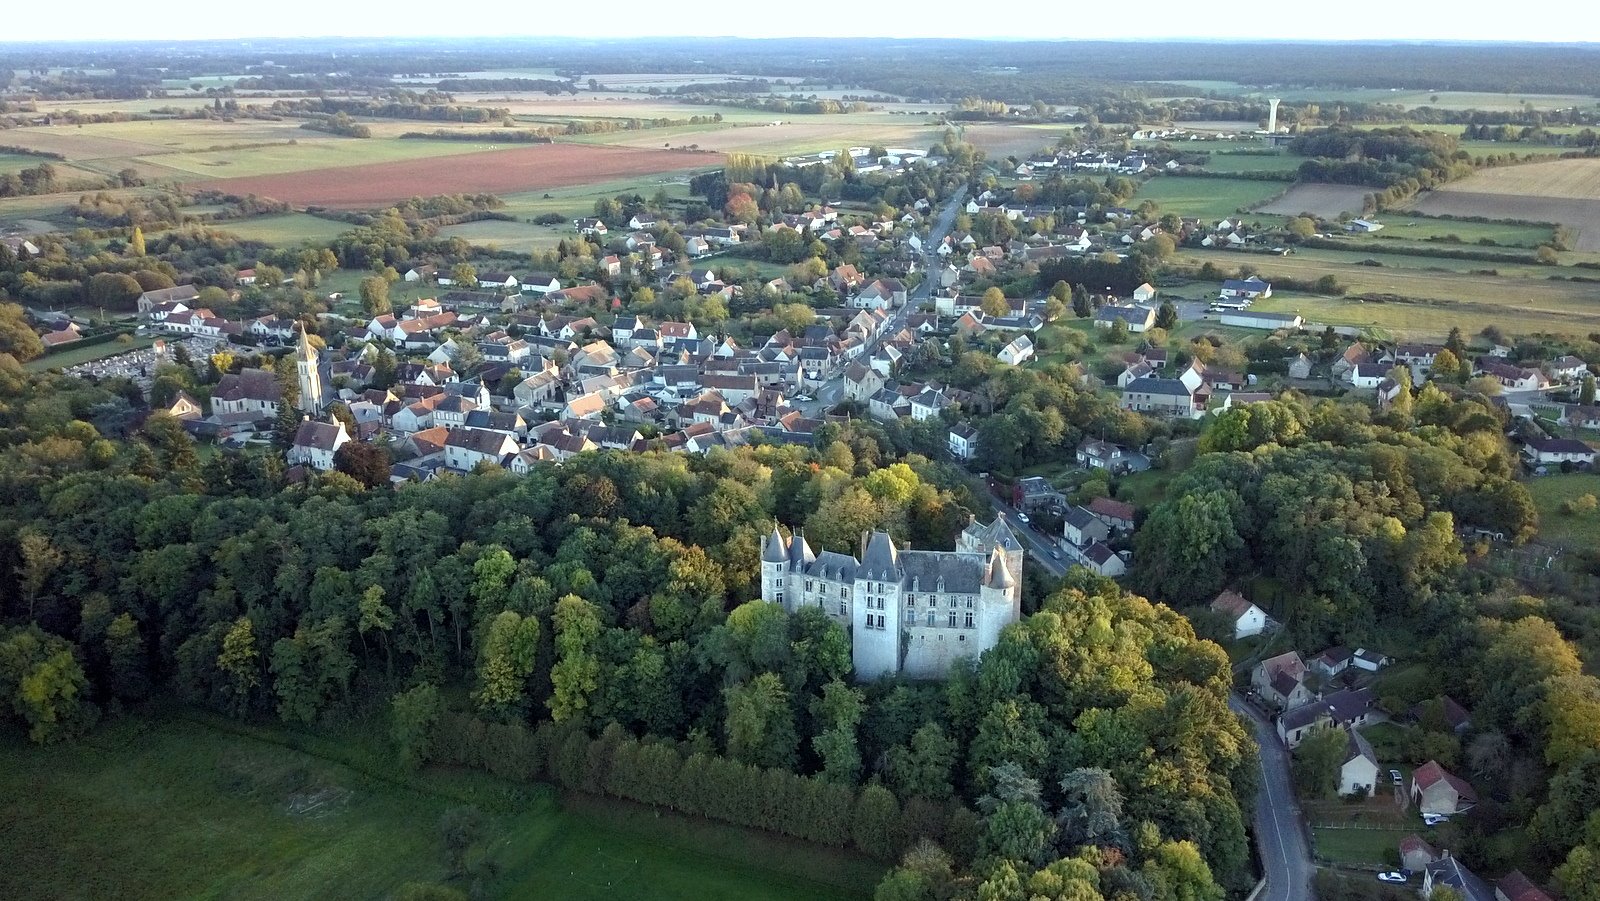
{"type": "Point", "coordinates": [1371, 661]}
{"type": "Point", "coordinates": [1358, 774]}
{"type": "Point", "coordinates": [315, 444]}
{"type": "Point", "coordinates": [1566, 368]}
{"type": "Point", "coordinates": [1113, 458]}
{"type": "Point", "coordinates": [1416, 854]}
{"type": "Point", "coordinates": [1331, 662]}
{"type": "Point", "coordinates": [1557, 452]}
{"type": "Point", "coordinates": [1353, 356]}
{"type": "Point", "coordinates": [1452, 716]}
{"type": "Point", "coordinates": [1100, 559]}
{"type": "Point", "coordinates": [881, 294]}
{"type": "Point", "coordinates": [642, 220]}
{"type": "Point", "coordinates": [1246, 618]}
{"type": "Point", "coordinates": [1136, 318]}
{"type": "Point", "coordinates": [1516, 887]}
{"type": "Point", "coordinates": [1438, 791]}
{"type": "Point", "coordinates": [1362, 226]}
{"type": "Point", "coordinates": [182, 294]}
{"type": "Point", "coordinates": [1163, 397]}
{"type": "Point", "coordinates": [466, 448]}
{"type": "Point", "coordinates": [1281, 680]}
{"type": "Point", "coordinates": [1346, 709]}
{"type": "Point", "coordinates": [591, 227]}
{"type": "Point", "coordinates": [1300, 367]}
{"type": "Point", "coordinates": [503, 281]}
{"type": "Point", "coordinates": [1449, 872]}
{"type": "Point", "coordinates": [1245, 289]}
{"type": "Point", "coordinates": [245, 277]}
{"type": "Point", "coordinates": [1144, 293]}
{"type": "Point", "coordinates": [1081, 528]}
{"type": "Point", "coordinates": [1512, 378]}
{"type": "Point", "coordinates": [584, 406]}
{"type": "Point", "coordinates": [963, 441]}
{"type": "Point", "coordinates": [536, 283]}
{"type": "Point", "coordinates": [1368, 375]}
{"type": "Point", "coordinates": [1116, 514]}
{"type": "Point", "coordinates": [184, 407]}
{"type": "Point", "coordinates": [248, 391]}
{"type": "Point", "coordinates": [1019, 351]}
{"type": "Point", "coordinates": [421, 272]}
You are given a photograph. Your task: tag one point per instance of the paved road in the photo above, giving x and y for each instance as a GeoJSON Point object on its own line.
{"type": "Point", "coordinates": [1285, 859]}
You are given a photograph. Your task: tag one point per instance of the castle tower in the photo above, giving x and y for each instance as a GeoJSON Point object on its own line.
{"type": "Point", "coordinates": [875, 617]}
{"type": "Point", "coordinates": [774, 562]}
{"type": "Point", "coordinates": [999, 600]}
{"type": "Point", "coordinates": [305, 363]}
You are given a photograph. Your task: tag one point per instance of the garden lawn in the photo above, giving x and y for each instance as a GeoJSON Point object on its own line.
{"type": "Point", "coordinates": [1559, 528]}
{"type": "Point", "coordinates": [1358, 846]}
{"type": "Point", "coordinates": [172, 807]}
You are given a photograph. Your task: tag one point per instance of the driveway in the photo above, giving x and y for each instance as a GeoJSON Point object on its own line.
{"type": "Point", "coordinates": [1280, 833]}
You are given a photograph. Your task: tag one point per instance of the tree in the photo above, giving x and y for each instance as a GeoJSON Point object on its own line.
{"type": "Point", "coordinates": [505, 661]}
{"type": "Point", "coordinates": [1166, 316]}
{"type": "Point", "coordinates": [375, 296]}
{"type": "Point", "coordinates": [412, 715]}
{"type": "Point", "coordinates": [875, 823]}
{"type": "Point", "coordinates": [760, 724]}
{"type": "Point", "coordinates": [923, 769]}
{"type": "Point", "coordinates": [136, 242]}
{"type": "Point", "coordinates": [464, 274]}
{"type": "Point", "coordinates": [576, 673]}
{"type": "Point", "coordinates": [1317, 761]}
{"type": "Point", "coordinates": [1447, 367]}
{"type": "Point", "coordinates": [1301, 227]}
{"type": "Point", "coordinates": [363, 461]}
{"type": "Point", "coordinates": [17, 338]}
{"type": "Point", "coordinates": [1080, 302]}
{"type": "Point", "coordinates": [113, 290]}
{"type": "Point", "coordinates": [1586, 393]}
{"type": "Point", "coordinates": [1091, 813]}
{"type": "Point", "coordinates": [240, 661]}
{"type": "Point", "coordinates": [994, 304]}
{"type": "Point", "coordinates": [1118, 333]}
{"type": "Point", "coordinates": [43, 684]}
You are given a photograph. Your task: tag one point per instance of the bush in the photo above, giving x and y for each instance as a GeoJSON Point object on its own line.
{"type": "Point", "coordinates": [549, 219]}
{"type": "Point", "coordinates": [1581, 506]}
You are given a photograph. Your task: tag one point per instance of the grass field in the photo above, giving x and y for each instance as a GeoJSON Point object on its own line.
{"type": "Point", "coordinates": [287, 230]}
{"type": "Point", "coordinates": [1361, 847]}
{"type": "Point", "coordinates": [171, 807]}
{"type": "Point", "coordinates": [1453, 100]}
{"type": "Point", "coordinates": [1401, 228]}
{"type": "Point", "coordinates": [522, 237]}
{"type": "Point", "coordinates": [1253, 162]}
{"type": "Point", "coordinates": [310, 154]}
{"type": "Point", "coordinates": [1565, 191]}
{"type": "Point", "coordinates": [1207, 198]}
{"type": "Point", "coordinates": [1559, 528]}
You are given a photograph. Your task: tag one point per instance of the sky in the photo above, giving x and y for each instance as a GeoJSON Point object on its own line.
{"type": "Point", "coordinates": [1404, 20]}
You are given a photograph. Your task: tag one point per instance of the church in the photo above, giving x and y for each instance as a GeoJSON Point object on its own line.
{"type": "Point", "coordinates": [907, 611]}
{"type": "Point", "coordinates": [313, 393]}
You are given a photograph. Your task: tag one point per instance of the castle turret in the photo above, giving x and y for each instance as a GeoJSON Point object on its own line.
{"type": "Point", "coordinates": [875, 621]}
{"type": "Point", "coordinates": [774, 561]}
{"type": "Point", "coordinates": [999, 599]}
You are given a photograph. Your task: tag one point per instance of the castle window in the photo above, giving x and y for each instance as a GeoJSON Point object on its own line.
{"type": "Point", "coordinates": [952, 619]}
{"type": "Point", "coordinates": [808, 585]}
{"type": "Point", "coordinates": [969, 605]}
{"type": "Point", "coordinates": [969, 619]}
{"type": "Point", "coordinates": [931, 615]}
{"type": "Point", "coordinates": [911, 601]}
{"type": "Point", "coordinates": [952, 605]}
{"type": "Point", "coordinates": [842, 610]}
{"type": "Point", "coordinates": [780, 597]}
{"type": "Point", "coordinates": [880, 621]}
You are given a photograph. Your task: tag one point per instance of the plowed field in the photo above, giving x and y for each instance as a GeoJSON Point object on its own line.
{"type": "Point", "coordinates": [531, 168]}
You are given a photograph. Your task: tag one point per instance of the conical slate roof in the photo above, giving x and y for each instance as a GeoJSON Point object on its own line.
{"type": "Point", "coordinates": [999, 573]}
{"type": "Point", "coordinates": [882, 558]}
{"type": "Point", "coordinates": [774, 550]}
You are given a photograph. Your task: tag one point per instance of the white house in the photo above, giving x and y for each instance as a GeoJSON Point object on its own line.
{"type": "Point", "coordinates": [1358, 775]}
{"type": "Point", "coordinates": [1019, 351]}
{"type": "Point", "coordinates": [1556, 451]}
{"type": "Point", "coordinates": [466, 448]}
{"type": "Point", "coordinates": [540, 283]}
{"type": "Point", "coordinates": [504, 281]}
{"type": "Point", "coordinates": [963, 441]}
{"type": "Point", "coordinates": [1247, 619]}
{"type": "Point", "coordinates": [1144, 293]}
{"type": "Point", "coordinates": [1362, 226]}
{"type": "Point", "coordinates": [315, 443]}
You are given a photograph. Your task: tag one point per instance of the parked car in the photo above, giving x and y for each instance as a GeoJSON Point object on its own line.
{"type": "Point", "coordinates": [1395, 775]}
{"type": "Point", "coordinates": [1434, 819]}
{"type": "Point", "coordinates": [1055, 553]}
{"type": "Point", "coordinates": [1391, 876]}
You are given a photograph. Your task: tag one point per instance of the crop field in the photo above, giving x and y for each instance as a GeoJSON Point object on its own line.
{"type": "Point", "coordinates": [1000, 140]}
{"type": "Point", "coordinates": [795, 134]}
{"type": "Point", "coordinates": [301, 156]}
{"type": "Point", "coordinates": [175, 808]}
{"type": "Point", "coordinates": [1410, 229]}
{"type": "Point", "coordinates": [1208, 198]}
{"type": "Point", "coordinates": [286, 230]}
{"type": "Point", "coordinates": [535, 167]}
{"type": "Point", "coordinates": [1564, 191]}
{"type": "Point", "coordinates": [1452, 100]}
{"type": "Point", "coordinates": [1324, 200]}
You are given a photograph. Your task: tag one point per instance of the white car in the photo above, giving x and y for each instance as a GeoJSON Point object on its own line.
{"type": "Point", "coordinates": [1434, 819]}
{"type": "Point", "coordinates": [1395, 775]}
{"type": "Point", "coordinates": [1022, 518]}
{"type": "Point", "coordinates": [1391, 876]}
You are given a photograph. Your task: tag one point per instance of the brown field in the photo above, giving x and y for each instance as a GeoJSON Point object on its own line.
{"type": "Point", "coordinates": [1564, 191]}
{"type": "Point", "coordinates": [530, 168]}
{"type": "Point", "coordinates": [1324, 200]}
{"type": "Point", "coordinates": [999, 141]}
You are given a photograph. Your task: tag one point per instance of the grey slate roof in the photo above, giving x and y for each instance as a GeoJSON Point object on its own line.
{"type": "Point", "coordinates": [962, 573]}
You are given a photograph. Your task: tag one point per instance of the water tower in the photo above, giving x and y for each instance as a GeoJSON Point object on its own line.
{"type": "Point", "coordinates": [1272, 116]}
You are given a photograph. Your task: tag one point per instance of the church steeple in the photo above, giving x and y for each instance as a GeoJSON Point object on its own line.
{"type": "Point", "coordinates": [305, 361]}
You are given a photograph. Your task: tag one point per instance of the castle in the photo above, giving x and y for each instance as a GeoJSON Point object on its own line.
{"type": "Point", "coordinates": [912, 612]}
